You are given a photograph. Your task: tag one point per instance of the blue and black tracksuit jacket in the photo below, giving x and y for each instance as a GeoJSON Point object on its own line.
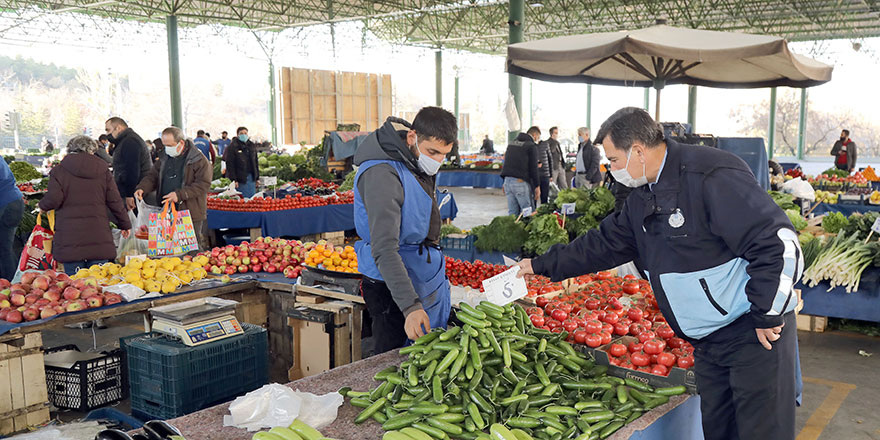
{"type": "Point", "coordinates": [735, 253]}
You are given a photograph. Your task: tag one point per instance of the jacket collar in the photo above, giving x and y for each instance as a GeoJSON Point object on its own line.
{"type": "Point", "coordinates": [670, 178]}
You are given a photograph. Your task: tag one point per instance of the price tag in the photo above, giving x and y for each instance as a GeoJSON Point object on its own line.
{"type": "Point", "coordinates": [526, 212]}
{"type": "Point", "coordinates": [505, 287]}
{"type": "Point", "coordinates": [269, 180]}
{"type": "Point", "coordinates": [568, 208]}
{"type": "Point", "coordinates": [876, 226]}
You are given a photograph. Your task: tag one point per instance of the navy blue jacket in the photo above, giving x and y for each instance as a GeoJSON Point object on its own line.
{"type": "Point", "coordinates": [736, 252]}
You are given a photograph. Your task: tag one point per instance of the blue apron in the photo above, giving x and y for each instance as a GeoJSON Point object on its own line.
{"type": "Point", "coordinates": [425, 265]}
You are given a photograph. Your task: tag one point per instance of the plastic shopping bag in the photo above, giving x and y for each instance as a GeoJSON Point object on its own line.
{"type": "Point", "coordinates": [131, 246]}
{"type": "Point", "coordinates": [37, 252]}
{"type": "Point", "coordinates": [513, 121]}
{"type": "Point", "coordinates": [171, 232]}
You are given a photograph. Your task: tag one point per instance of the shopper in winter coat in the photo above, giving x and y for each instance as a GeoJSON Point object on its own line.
{"type": "Point", "coordinates": [182, 176]}
{"type": "Point", "coordinates": [557, 160]}
{"type": "Point", "coordinates": [131, 159]}
{"type": "Point", "coordinates": [396, 216]}
{"type": "Point", "coordinates": [81, 189]}
{"type": "Point", "coordinates": [587, 172]}
{"type": "Point", "coordinates": [522, 184]}
{"type": "Point", "coordinates": [241, 163]}
{"type": "Point", "coordinates": [844, 152]}
{"type": "Point", "coordinates": [545, 167]}
{"type": "Point", "coordinates": [11, 210]}
{"type": "Point", "coordinates": [722, 260]}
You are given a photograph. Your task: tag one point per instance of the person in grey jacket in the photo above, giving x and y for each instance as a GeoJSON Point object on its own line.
{"type": "Point", "coordinates": [588, 173]}
{"type": "Point", "coordinates": [844, 152]}
{"type": "Point", "coordinates": [396, 215]}
{"type": "Point", "coordinates": [557, 160]}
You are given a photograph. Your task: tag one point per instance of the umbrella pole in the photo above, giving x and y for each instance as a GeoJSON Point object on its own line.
{"type": "Point", "coordinates": [657, 107]}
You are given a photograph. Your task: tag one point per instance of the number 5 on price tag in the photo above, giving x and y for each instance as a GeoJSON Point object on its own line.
{"type": "Point", "coordinates": [505, 287]}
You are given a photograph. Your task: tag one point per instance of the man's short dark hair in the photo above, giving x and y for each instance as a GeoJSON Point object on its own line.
{"type": "Point", "coordinates": [224, 132]}
{"type": "Point", "coordinates": [239, 129]}
{"type": "Point", "coordinates": [628, 126]}
{"type": "Point", "coordinates": [175, 133]}
{"type": "Point", "coordinates": [116, 120]}
{"type": "Point", "coordinates": [534, 130]}
{"type": "Point", "coordinates": [103, 138]}
{"type": "Point", "coordinates": [200, 133]}
{"type": "Point", "coordinates": [552, 129]}
{"type": "Point", "coordinates": [437, 123]}
{"type": "Point", "coordinates": [846, 131]}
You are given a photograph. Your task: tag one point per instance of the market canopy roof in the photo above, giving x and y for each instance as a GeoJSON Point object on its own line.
{"type": "Point", "coordinates": [478, 25]}
{"type": "Point", "coordinates": [659, 55]}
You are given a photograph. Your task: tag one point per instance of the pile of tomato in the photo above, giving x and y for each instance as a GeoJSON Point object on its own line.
{"type": "Point", "coordinates": [262, 204]}
{"type": "Point", "coordinates": [26, 187]}
{"type": "Point", "coordinates": [314, 182]}
{"type": "Point", "coordinates": [467, 274]}
{"type": "Point", "coordinates": [606, 306]}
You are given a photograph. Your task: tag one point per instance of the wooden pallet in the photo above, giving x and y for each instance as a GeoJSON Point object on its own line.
{"type": "Point", "coordinates": [24, 401]}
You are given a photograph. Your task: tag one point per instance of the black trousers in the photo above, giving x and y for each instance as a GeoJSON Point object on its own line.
{"type": "Point", "coordinates": [545, 189]}
{"type": "Point", "coordinates": [746, 391]}
{"type": "Point", "coordinates": [387, 319]}
{"type": "Point", "coordinates": [842, 166]}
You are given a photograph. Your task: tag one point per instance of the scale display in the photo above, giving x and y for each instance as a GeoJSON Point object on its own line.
{"type": "Point", "coordinates": [198, 321]}
{"type": "Point", "coordinates": [201, 332]}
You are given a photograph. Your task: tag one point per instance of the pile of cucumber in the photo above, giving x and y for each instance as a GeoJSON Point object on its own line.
{"type": "Point", "coordinates": [500, 378]}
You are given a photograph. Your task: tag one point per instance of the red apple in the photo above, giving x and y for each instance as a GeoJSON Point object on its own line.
{"type": "Point", "coordinates": [28, 278]}
{"type": "Point", "coordinates": [112, 298]}
{"type": "Point", "coordinates": [4, 283]}
{"type": "Point", "coordinates": [88, 292]}
{"type": "Point", "coordinates": [242, 269]}
{"type": "Point", "coordinates": [59, 309]}
{"type": "Point", "coordinates": [4, 303]}
{"type": "Point", "coordinates": [79, 284]}
{"type": "Point", "coordinates": [95, 301]}
{"type": "Point", "coordinates": [31, 314]}
{"type": "Point", "coordinates": [17, 298]}
{"type": "Point", "coordinates": [71, 293]}
{"type": "Point", "coordinates": [5, 311]}
{"type": "Point", "coordinates": [230, 270]}
{"type": "Point", "coordinates": [48, 312]}
{"type": "Point", "coordinates": [41, 283]}
{"type": "Point", "coordinates": [91, 281]}
{"type": "Point", "coordinates": [31, 298]}
{"type": "Point", "coordinates": [14, 316]}
{"type": "Point", "coordinates": [53, 294]}
{"type": "Point", "coordinates": [42, 302]}
{"type": "Point", "coordinates": [75, 306]}
{"type": "Point", "coordinates": [62, 277]}
{"type": "Point", "coordinates": [51, 274]}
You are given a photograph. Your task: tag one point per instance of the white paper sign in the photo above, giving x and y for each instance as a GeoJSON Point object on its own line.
{"type": "Point", "coordinates": [508, 261]}
{"type": "Point", "coordinates": [505, 287]}
{"type": "Point", "coordinates": [876, 226]}
{"type": "Point", "coordinates": [269, 180]}
{"type": "Point", "coordinates": [526, 212]}
{"type": "Point", "coordinates": [568, 208]}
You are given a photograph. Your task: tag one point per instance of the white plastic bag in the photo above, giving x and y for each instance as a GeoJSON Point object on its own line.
{"type": "Point", "coordinates": [277, 405]}
{"type": "Point", "coordinates": [513, 122]}
{"type": "Point", "coordinates": [800, 189]}
{"type": "Point", "coordinates": [132, 245]}
{"type": "Point", "coordinates": [319, 411]}
{"type": "Point", "coordinates": [128, 292]}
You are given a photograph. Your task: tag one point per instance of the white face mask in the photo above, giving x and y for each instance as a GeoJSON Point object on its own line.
{"type": "Point", "coordinates": [623, 177]}
{"type": "Point", "coordinates": [428, 165]}
{"type": "Point", "coordinates": [171, 151]}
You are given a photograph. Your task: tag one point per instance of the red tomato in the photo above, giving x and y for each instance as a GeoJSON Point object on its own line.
{"type": "Point", "coordinates": [593, 326]}
{"type": "Point", "coordinates": [537, 320]}
{"type": "Point", "coordinates": [552, 323]}
{"type": "Point", "coordinates": [611, 317]}
{"type": "Point", "coordinates": [666, 359]}
{"type": "Point", "coordinates": [535, 311]}
{"type": "Point", "coordinates": [654, 346]}
{"type": "Point", "coordinates": [594, 340]}
{"type": "Point", "coordinates": [617, 350]}
{"type": "Point", "coordinates": [640, 359]}
{"type": "Point", "coordinates": [592, 303]}
{"type": "Point", "coordinates": [606, 327]}
{"type": "Point", "coordinates": [675, 342]}
{"type": "Point", "coordinates": [659, 370]}
{"type": "Point", "coordinates": [635, 313]}
{"type": "Point", "coordinates": [621, 329]}
{"type": "Point", "coordinates": [606, 337]}
{"type": "Point", "coordinates": [566, 307]}
{"type": "Point", "coordinates": [580, 336]}
{"type": "Point", "coordinates": [636, 329]}
{"type": "Point", "coordinates": [635, 346]}
{"type": "Point", "coordinates": [645, 336]}
{"type": "Point", "coordinates": [569, 325]}
{"type": "Point", "coordinates": [665, 331]}
{"type": "Point", "coordinates": [541, 301]}
{"type": "Point", "coordinates": [556, 330]}
{"type": "Point", "coordinates": [559, 314]}
{"type": "Point", "coordinates": [631, 288]}
{"type": "Point", "coordinates": [604, 276]}
{"type": "Point", "coordinates": [685, 362]}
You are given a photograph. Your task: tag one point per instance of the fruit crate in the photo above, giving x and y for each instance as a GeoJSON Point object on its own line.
{"type": "Point", "coordinates": [24, 404]}
{"type": "Point", "coordinates": [458, 246]}
{"type": "Point", "coordinates": [87, 384]}
{"type": "Point", "coordinates": [169, 379]}
{"type": "Point", "coordinates": [677, 376]}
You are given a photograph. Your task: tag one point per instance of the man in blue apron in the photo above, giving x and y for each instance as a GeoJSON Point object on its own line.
{"type": "Point", "coordinates": [396, 216]}
{"type": "Point", "coordinates": [722, 259]}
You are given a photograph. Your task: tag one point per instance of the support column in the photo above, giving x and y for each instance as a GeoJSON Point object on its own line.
{"type": "Point", "coordinates": [456, 107]}
{"type": "Point", "coordinates": [272, 105]}
{"type": "Point", "coordinates": [692, 107]}
{"type": "Point", "coordinates": [531, 103]}
{"type": "Point", "coordinates": [174, 72]}
{"type": "Point", "coordinates": [438, 65]}
{"type": "Point", "coordinates": [647, 98]}
{"type": "Point", "coordinates": [515, 35]}
{"type": "Point", "coordinates": [802, 125]}
{"type": "Point", "coordinates": [589, 105]}
{"type": "Point", "coordinates": [771, 130]}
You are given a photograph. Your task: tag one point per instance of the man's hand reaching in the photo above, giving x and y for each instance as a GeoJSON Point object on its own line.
{"type": "Point", "coordinates": [768, 335]}
{"type": "Point", "coordinates": [417, 324]}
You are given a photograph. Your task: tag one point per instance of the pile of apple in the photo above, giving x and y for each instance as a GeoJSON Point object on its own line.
{"type": "Point", "coordinates": [263, 255]}
{"type": "Point", "coordinates": [46, 294]}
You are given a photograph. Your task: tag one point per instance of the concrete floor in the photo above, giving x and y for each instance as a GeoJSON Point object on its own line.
{"type": "Point", "coordinates": [841, 389]}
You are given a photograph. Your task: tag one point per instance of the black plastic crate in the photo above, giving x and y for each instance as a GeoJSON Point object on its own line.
{"type": "Point", "coordinates": [87, 384]}
{"type": "Point", "coordinates": [169, 379]}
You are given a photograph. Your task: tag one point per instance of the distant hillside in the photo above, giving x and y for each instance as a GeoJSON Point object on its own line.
{"type": "Point", "coordinates": [27, 70]}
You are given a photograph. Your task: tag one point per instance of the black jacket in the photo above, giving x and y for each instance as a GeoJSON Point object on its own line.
{"type": "Point", "coordinates": [721, 256]}
{"type": "Point", "coordinates": [131, 161]}
{"type": "Point", "coordinates": [544, 160]}
{"type": "Point", "coordinates": [851, 153]}
{"type": "Point", "coordinates": [590, 159]}
{"type": "Point", "coordinates": [521, 160]}
{"type": "Point", "coordinates": [383, 197]}
{"type": "Point", "coordinates": [488, 147]}
{"type": "Point", "coordinates": [241, 160]}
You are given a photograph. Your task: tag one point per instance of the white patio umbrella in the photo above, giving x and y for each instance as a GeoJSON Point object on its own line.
{"type": "Point", "coordinates": [661, 55]}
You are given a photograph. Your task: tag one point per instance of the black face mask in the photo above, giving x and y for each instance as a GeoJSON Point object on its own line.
{"type": "Point", "coordinates": [111, 138]}
{"type": "Point", "coordinates": [843, 138]}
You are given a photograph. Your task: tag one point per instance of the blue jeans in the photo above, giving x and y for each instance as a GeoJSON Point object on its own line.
{"type": "Point", "coordinates": [10, 216]}
{"type": "Point", "coordinates": [249, 188]}
{"type": "Point", "coordinates": [519, 195]}
{"type": "Point", "coordinates": [71, 267]}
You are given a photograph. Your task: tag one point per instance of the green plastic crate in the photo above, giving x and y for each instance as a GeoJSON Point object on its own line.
{"type": "Point", "coordinates": [169, 379]}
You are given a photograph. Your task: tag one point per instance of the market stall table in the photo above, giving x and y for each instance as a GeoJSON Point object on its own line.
{"type": "Point", "coordinates": [862, 304]}
{"type": "Point", "coordinates": [472, 178]}
{"type": "Point", "coordinates": [679, 419]}
{"type": "Point", "coordinates": [845, 208]}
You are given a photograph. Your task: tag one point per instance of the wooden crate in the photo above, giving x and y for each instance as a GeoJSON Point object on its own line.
{"type": "Point", "coordinates": [24, 401]}
{"type": "Point", "coordinates": [321, 337]}
{"type": "Point", "coordinates": [337, 238]}
{"type": "Point", "coordinates": [811, 323]}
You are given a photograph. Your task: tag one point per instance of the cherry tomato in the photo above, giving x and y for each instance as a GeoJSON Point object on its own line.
{"type": "Point", "coordinates": [617, 350]}
{"type": "Point", "coordinates": [594, 340]}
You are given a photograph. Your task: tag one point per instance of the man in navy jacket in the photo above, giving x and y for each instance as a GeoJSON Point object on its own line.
{"type": "Point", "coordinates": [722, 259]}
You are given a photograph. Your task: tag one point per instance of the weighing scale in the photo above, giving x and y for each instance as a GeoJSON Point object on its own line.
{"type": "Point", "coordinates": [198, 321]}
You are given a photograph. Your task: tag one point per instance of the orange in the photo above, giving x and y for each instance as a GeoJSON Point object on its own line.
{"type": "Point", "coordinates": [319, 248]}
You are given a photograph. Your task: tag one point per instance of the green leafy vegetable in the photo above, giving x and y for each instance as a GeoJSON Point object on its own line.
{"type": "Point", "coordinates": [449, 229]}
{"type": "Point", "coordinates": [348, 183]}
{"type": "Point", "coordinates": [580, 225]}
{"type": "Point", "coordinates": [502, 234]}
{"type": "Point", "coordinates": [834, 222]}
{"type": "Point", "coordinates": [794, 215]}
{"type": "Point", "coordinates": [24, 171]}
{"type": "Point", "coordinates": [544, 232]}
{"type": "Point", "coordinates": [785, 201]}
{"type": "Point", "coordinates": [834, 172]}
{"type": "Point", "coordinates": [842, 262]}
{"type": "Point", "coordinates": [860, 224]}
